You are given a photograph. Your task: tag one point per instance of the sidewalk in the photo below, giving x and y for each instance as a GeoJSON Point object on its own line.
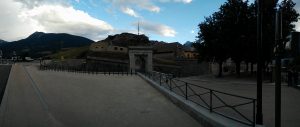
{"type": "Point", "coordinates": [36, 98]}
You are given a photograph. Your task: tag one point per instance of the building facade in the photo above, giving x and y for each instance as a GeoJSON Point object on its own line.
{"type": "Point", "coordinates": [104, 46]}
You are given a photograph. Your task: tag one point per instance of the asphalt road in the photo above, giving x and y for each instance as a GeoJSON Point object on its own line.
{"type": "Point", "coordinates": [36, 98]}
{"type": "Point", "coordinates": [4, 75]}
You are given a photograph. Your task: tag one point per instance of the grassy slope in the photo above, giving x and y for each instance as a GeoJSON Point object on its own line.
{"type": "Point", "coordinates": [72, 53]}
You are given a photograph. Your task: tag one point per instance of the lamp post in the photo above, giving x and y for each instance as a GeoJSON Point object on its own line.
{"type": "Point", "coordinates": [259, 114]}
{"type": "Point", "coordinates": [278, 52]}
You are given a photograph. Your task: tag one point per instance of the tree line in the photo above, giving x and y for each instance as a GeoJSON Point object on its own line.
{"type": "Point", "coordinates": [231, 32]}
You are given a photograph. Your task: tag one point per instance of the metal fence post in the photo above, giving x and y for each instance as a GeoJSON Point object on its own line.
{"type": "Point", "coordinates": [159, 79]}
{"type": "Point", "coordinates": [170, 84]}
{"type": "Point", "coordinates": [253, 122]}
{"type": "Point", "coordinates": [109, 70]}
{"type": "Point", "coordinates": [210, 102]}
{"type": "Point", "coordinates": [186, 91]}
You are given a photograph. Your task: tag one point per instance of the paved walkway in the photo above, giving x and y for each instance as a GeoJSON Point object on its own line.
{"type": "Point", "coordinates": [36, 98]}
{"type": "Point", "coordinates": [247, 88]}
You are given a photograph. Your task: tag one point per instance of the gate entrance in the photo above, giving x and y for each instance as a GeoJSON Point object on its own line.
{"type": "Point", "coordinates": [140, 63]}
{"type": "Point", "coordinates": [140, 58]}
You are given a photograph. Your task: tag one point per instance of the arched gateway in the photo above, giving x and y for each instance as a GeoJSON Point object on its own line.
{"type": "Point", "coordinates": [140, 58]}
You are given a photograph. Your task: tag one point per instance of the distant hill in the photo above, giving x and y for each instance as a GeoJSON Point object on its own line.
{"type": "Point", "coordinates": [127, 39]}
{"type": "Point", "coordinates": [160, 46]}
{"type": "Point", "coordinates": [41, 44]}
{"type": "Point", "coordinates": [188, 44]}
{"type": "Point", "coordinates": [2, 42]}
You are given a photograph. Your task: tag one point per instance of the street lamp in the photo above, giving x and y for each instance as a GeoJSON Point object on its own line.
{"type": "Point", "coordinates": [260, 5]}
{"type": "Point", "coordinates": [278, 52]}
{"type": "Point", "coordinates": [259, 114]}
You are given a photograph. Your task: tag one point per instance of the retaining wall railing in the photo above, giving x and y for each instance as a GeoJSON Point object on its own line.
{"type": "Point", "coordinates": [231, 106]}
{"type": "Point", "coordinates": [92, 68]}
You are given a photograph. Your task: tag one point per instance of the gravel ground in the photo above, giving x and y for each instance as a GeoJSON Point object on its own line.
{"type": "Point", "coordinates": [290, 97]}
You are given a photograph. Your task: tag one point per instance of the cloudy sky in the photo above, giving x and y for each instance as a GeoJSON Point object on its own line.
{"type": "Point", "coordinates": [165, 20]}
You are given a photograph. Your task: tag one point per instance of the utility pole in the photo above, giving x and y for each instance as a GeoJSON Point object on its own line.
{"type": "Point", "coordinates": [259, 114]}
{"type": "Point", "coordinates": [138, 27]}
{"type": "Point", "coordinates": [278, 52]}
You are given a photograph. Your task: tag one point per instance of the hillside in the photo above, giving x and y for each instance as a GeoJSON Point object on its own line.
{"type": "Point", "coordinates": [127, 39]}
{"type": "Point", "coordinates": [73, 53]}
{"type": "Point", "coordinates": [41, 44]}
{"type": "Point", "coordinates": [2, 42]}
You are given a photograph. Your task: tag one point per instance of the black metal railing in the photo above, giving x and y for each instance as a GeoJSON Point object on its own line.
{"type": "Point", "coordinates": [6, 61]}
{"type": "Point", "coordinates": [234, 107]}
{"type": "Point", "coordinates": [88, 67]}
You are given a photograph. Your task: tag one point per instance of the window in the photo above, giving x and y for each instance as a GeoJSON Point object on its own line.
{"type": "Point", "coordinates": [102, 47]}
{"type": "Point", "coordinates": [116, 48]}
{"type": "Point", "coordinates": [96, 47]}
{"type": "Point", "coordinates": [121, 49]}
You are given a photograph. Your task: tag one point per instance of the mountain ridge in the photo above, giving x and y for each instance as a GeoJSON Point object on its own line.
{"type": "Point", "coordinates": [41, 44]}
{"type": "Point", "coordinates": [2, 41]}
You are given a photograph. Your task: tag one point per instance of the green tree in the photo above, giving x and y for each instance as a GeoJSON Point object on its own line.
{"type": "Point", "coordinates": [235, 22]}
{"type": "Point", "coordinates": [289, 15]}
{"type": "Point", "coordinates": [250, 41]}
{"type": "Point", "coordinates": [211, 43]}
{"type": "Point", "coordinates": [231, 32]}
{"type": "Point", "coordinates": [224, 34]}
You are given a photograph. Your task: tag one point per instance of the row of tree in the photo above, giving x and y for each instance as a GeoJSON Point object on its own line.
{"type": "Point", "coordinates": [231, 32]}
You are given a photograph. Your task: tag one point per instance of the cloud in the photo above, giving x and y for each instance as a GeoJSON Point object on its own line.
{"type": "Point", "coordinates": [192, 31]}
{"type": "Point", "coordinates": [12, 27]}
{"type": "Point", "coordinates": [129, 7]}
{"type": "Point", "coordinates": [58, 19]}
{"type": "Point", "coordinates": [129, 11]}
{"type": "Point", "coordinates": [156, 28]}
{"type": "Point", "coordinates": [297, 7]}
{"type": "Point", "coordinates": [22, 20]}
{"type": "Point", "coordinates": [35, 3]}
{"type": "Point", "coordinates": [141, 4]}
{"type": "Point", "coordinates": [182, 1]}
{"type": "Point", "coordinates": [297, 26]}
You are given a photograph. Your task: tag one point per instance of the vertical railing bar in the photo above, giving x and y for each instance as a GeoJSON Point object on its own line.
{"type": "Point", "coordinates": [160, 79]}
{"type": "Point", "coordinates": [170, 83]}
{"type": "Point", "coordinates": [186, 91]}
{"type": "Point", "coordinates": [210, 101]}
{"type": "Point", "coordinates": [253, 121]}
